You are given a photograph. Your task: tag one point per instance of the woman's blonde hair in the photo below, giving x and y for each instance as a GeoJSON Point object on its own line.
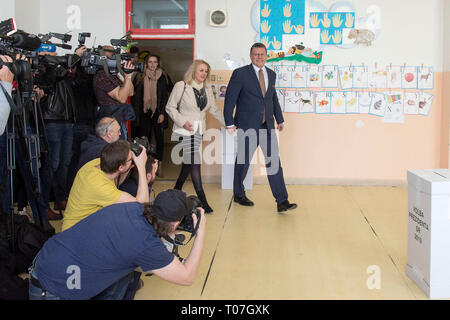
{"type": "Point", "coordinates": [190, 73]}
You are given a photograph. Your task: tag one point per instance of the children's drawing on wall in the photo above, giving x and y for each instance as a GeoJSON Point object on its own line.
{"type": "Point", "coordinates": [346, 77]}
{"type": "Point", "coordinates": [330, 76]}
{"type": "Point", "coordinates": [338, 102]}
{"type": "Point", "coordinates": [306, 102]}
{"type": "Point", "coordinates": [360, 77]}
{"type": "Point", "coordinates": [378, 105]}
{"type": "Point", "coordinates": [351, 102]}
{"type": "Point", "coordinates": [394, 77]}
{"type": "Point", "coordinates": [280, 95]}
{"type": "Point", "coordinates": [314, 79]}
{"type": "Point", "coordinates": [323, 102]}
{"type": "Point", "coordinates": [292, 101]}
{"type": "Point", "coordinates": [394, 108]}
{"type": "Point", "coordinates": [284, 76]}
{"type": "Point", "coordinates": [331, 25]}
{"type": "Point", "coordinates": [299, 76]}
{"type": "Point", "coordinates": [409, 77]}
{"type": "Point", "coordinates": [364, 101]}
{"type": "Point", "coordinates": [425, 102]}
{"type": "Point", "coordinates": [426, 78]}
{"type": "Point", "coordinates": [377, 77]}
{"type": "Point", "coordinates": [411, 103]}
{"type": "Point", "coordinates": [221, 91]}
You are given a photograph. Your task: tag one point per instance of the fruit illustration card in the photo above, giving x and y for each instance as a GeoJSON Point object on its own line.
{"type": "Point", "coordinates": [299, 76]}
{"type": "Point", "coordinates": [411, 103]}
{"type": "Point", "coordinates": [394, 77]}
{"type": "Point", "coordinates": [378, 105]}
{"type": "Point", "coordinates": [280, 94]}
{"type": "Point", "coordinates": [360, 77]}
{"type": "Point", "coordinates": [330, 76]}
{"type": "Point", "coordinates": [338, 102]}
{"type": "Point", "coordinates": [394, 107]}
{"type": "Point", "coordinates": [346, 77]}
{"type": "Point", "coordinates": [425, 102]}
{"type": "Point", "coordinates": [409, 77]}
{"type": "Point", "coordinates": [377, 77]}
{"type": "Point", "coordinates": [351, 102]}
{"type": "Point", "coordinates": [292, 100]}
{"type": "Point", "coordinates": [364, 101]}
{"type": "Point", "coordinates": [425, 78]}
{"type": "Point", "coordinates": [306, 102]}
{"type": "Point", "coordinates": [314, 77]}
{"type": "Point", "coordinates": [323, 102]}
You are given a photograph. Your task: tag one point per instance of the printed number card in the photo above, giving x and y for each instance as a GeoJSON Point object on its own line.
{"type": "Point", "coordinates": [280, 94]}
{"type": "Point", "coordinates": [364, 101]}
{"type": "Point", "coordinates": [377, 77]}
{"type": "Point", "coordinates": [426, 78]}
{"type": "Point", "coordinates": [360, 77]}
{"type": "Point", "coordinates": [338, 102]}
{"type": "Point", "coordinates": [394, 108]}
{"type": "Point", "coordinates": [306, 102]}
{"type": "Point", "coordinates": [284, 77]}
{"type": "Point", "coordinates": [351, 102]}
{"type": "Point", "coordinates": [346, 77]}
{"type": "Point", "coordinates": [292, 101]}
{"type": "Point", "coordinates": [425, 102]}
{"type": "Point", "coordinates": [411, 103]}
{"type": "Point", "coordinates": [299, 77]}
{"type": "Point", "coordinates": [314, 77]}
{"type": "Point", "coordinates": [394, 77]}
{"type": "Point", "coordinates": [323, 102]}
{"type": "Point", "coordinates": [330, 76]}
{"type": "Point", "coordinates": [378, 105]}
{"type": "Point", "coordinates": [409, 77]}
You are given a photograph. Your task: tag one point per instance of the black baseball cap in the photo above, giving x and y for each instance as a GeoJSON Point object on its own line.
{"type": "Point", "coordinates": [171, 205]}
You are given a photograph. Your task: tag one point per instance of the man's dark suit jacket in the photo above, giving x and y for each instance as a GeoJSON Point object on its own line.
{"type": "Point", "coordinates": [244, 92]}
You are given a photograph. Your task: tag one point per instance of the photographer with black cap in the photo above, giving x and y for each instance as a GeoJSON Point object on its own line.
{"type": "Point", "coordinates": [97, 257]}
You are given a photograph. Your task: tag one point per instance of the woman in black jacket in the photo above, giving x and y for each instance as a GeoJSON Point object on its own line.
{"type": "Point", "coordinates": [149, 102]}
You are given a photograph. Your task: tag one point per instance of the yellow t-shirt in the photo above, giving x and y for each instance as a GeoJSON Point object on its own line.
{"type": "Point", "coordinates": [91, 191]}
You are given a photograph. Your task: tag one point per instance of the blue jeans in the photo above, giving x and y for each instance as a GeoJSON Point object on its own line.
{"type": "Point", "coordinates": [60, 139]}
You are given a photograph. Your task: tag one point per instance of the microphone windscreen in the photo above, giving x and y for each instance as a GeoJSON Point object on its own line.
{"type": "Point", "coordinates": [26, 41]}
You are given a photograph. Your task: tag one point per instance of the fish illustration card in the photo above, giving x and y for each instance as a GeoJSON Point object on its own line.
{"type": "Point", "coordinates": [346, 77]}
{"type": "Point", "coordinates": [292, 100]}
{"type": "Point", "coordinates": [330, 76]}
{"type": "Point", "coordinates": [299, 76]}
{"type": "Point", "coordinates": [394, 107]}
{"type": "Point", "coordinates": [426, 78]}
{"type": "Point", "coordinates": [314, 79]}
{"type": "Point", "coordinates": [338, 102]}
{"type": "Point", "coordinates": [409, 78]}
{"type": "Point", "coordinates": [360, 77]}
{"type": "Point", "coordinates": [394, 77]}
{"type": "Point", "coordinates": [351, 102]}
{"type": "Point", "coordinates": [378, 105]}
{"type": "Point", "coordinates": [284, 77]}
{"type": "Point", "coordinates": [425, 103]}
{"type": "Point", "coordinates": [364, 101]}
{"type": "Point", "coordinates": [411, 103]}
{"type": "Point", "coordinates": [323, 102]}
{"type": "Point", "coordinates": [377, 77]}
{"type": "Point", "coordinates": [306, 102]}
{"type": "Point", "coordinates": [280, 95]}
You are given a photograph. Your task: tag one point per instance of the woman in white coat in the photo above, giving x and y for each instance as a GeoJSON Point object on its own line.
{"type": "Point", "coordinates": [187, 106]}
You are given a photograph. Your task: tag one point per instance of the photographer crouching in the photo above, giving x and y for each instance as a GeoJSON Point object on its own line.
{"type": "Point", "coordinates": [120, 238]}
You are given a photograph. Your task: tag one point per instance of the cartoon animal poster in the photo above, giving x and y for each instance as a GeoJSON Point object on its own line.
{"type": "Point", "coordinates": [425, 102]}
{"type": "Point", "coordinates": [394, 108]}
{"type": "Point", "coordinates": [411, 103]}
{"type": "Point", "coordinates": [284, 77]}
{"type": "Point", "coordinates": [364, 101]}
{"type": "Point", "coordinates": [338, 102]}
{"type": "Point", "coordinates": [280, 94]}
{"type": "Point", "coordinates": [306, 102]}
{"type": "Point", "coordinates": [378, 105]}
{"type": "Point", "coordinates": [330, 76]}
{"type": "Point", "coordinates": [360, 77]}
{"type": "Point", "coordinates": [409, 77]}
{"type": "Point", "coordinates": [351, 102]}
{"type": "Point", "coordinates": [323, 102]}
{"type": "Point", "coordinates": [346, 77]}
{"type": "Point", "coordinates": [425, 78]}
{"type": "Point", "coordinates": [314, 79]}
{"type": "Point", "coordinates": [299, 76]}
{"type": "Point", "coordinates": [378, 77]}
{"type": "Point", "coordinates": [292, 100]}
{"type": "Point", "coordinates": [394, 77]}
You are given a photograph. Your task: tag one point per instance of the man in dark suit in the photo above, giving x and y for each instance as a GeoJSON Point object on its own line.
{"type": "Point", "coordinates": [252, 91]}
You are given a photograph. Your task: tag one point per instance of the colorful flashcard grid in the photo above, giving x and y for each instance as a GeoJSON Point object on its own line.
{"type": "Point", "coordinates": [295, 81]}
{"type": "Point", "coordinates": [331, 25]}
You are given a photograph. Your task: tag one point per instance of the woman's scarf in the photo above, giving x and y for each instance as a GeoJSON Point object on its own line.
{"type": "Point", "coordinates": [150, 84]}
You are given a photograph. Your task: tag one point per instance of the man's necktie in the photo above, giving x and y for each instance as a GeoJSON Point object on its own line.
{"type": "Point", "coordinates": [262, 83]}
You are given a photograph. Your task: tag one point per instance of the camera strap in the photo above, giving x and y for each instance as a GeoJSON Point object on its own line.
{"type": "Point", "coordinates": [14, 108]}
{"type": "Point", "coordinates": [179, 102]}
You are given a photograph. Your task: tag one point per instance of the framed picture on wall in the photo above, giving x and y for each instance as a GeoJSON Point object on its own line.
{"type": "Point", "coordinates": [306, 102]}
{"type": "Point", "coordinates": [364, 101]}
{"type": "Point", "coordinates": [411, 103]}
{"type": "Point", "coordinates": [378, 105]}
{"type": "Point", "coordinates": [338, 101]}
{"type": "Point", "coordinates": [360, 77]}
{"type": "Point", "coordinates": [377, 77]}
{"type": "Point", "coordinates": [284, 76]}
{"type": "Point", "coordinates": [346, 77]}
{"type": "Point", "coordinates": [409, 78]}
{"type": "Point", "coordinates": [314, 79]}
{"type": "Point", "coordinates": [292, 100]}
{"type": "Point", "coordinates": [299, 76]}
{"type": "Point", "coordinates": [351, 102]}
{"type": "Point", "coordinates": [425, 103]}
{"type": "Point", "coordinates": [425, 78]}
{"type": "Point", "coordinates": [394, 77]}
{"type": "Point", "coordinates": [323, 102]}
{"type": "Point", "coordinates": [330, 76]}
{"type": "Point", "coordinates": [394, 107]}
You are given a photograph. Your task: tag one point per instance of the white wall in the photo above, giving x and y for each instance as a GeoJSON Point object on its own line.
{"type": "Point", "coordinates": [446, 36]}
{"type": "Point", "coordinates": [7, 10]}
{"type": "Point", "coordinates": [28, 15]}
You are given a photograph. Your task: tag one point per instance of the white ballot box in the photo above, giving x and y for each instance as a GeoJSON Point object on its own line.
{"type": "Point", "coordinates": [229, 150]}
{"type": "Point", "coordinates": [429, 231]}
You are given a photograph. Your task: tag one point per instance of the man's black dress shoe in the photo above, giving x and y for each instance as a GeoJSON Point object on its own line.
{"type": "Point", "coordinates": [285, 205]}
{"type": "Point", "coordinates": [243, 201]}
